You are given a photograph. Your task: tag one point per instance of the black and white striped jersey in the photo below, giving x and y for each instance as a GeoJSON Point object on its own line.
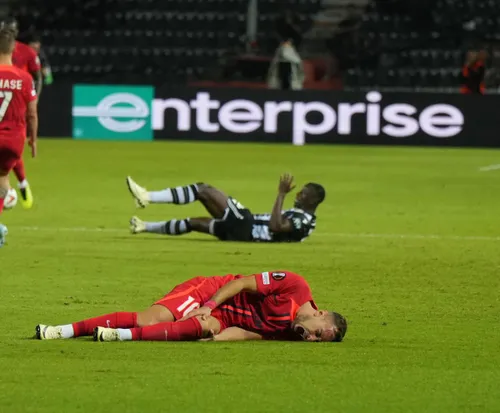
{"type": "Point", "coordinates": [303, 225]}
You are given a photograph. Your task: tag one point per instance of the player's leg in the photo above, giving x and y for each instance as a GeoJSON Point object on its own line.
{"type": "Point", "coordinates": [183, 298]}
{"type": "Point", "coordinates": [172, 227]}
{"type": "Point", "coordinates": [86, 327]}
{"type": "Point", "coordinates": [214, 200]}
{"type": "Point", "coordinates": [153, 315]}
{"type": "Point", "coordinates": [188, 330]}
{"type": "Point", "coordinates": [24, 187]}
{"type": "Point", "coordinates": [4, 189]}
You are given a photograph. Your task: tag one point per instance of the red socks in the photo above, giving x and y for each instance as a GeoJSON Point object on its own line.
{"type": "Point", "coordinates": [2, 202]}
{"type": "Point", "coordinates": [19, 171]}
{"type": "Point", "coordinates": [188, 330]}
{"type": "Point", "coordinates": [114, 320]}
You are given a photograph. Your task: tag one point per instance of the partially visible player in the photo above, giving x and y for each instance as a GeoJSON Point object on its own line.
{"type": "Point", "coordinates": [272, 305]}
{"type": "Point", "coordinates": [25, 57]}
{"type": "Point", "coordinates": [230, 220]}
{"type": "Point", "coordinates": [34, 40]}
{"type": "Point", "coordinates": [18, 106]}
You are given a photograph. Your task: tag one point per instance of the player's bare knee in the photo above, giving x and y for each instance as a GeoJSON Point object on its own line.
{"type": "Point", "coordinates": [154, 315]}
{"type": "Point", "coordinates": [204, 191]}
{"type": "Point", "coordinates": [210, 325]}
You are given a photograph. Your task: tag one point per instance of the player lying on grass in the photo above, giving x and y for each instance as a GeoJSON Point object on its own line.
{"type": "Point", "coordinates": [273, 305]}
{"type": "Point", "coordinates": [231, 221]}
{"type": "Point", "coordinates": [18, 106]}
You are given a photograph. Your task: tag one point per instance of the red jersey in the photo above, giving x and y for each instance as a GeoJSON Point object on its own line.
{"type": "Point", "coordinates": [271, 311]}
{"type": "Point", "coordinates": [25, 58]}
{"type": "Point", "coordinates": [16, 91]}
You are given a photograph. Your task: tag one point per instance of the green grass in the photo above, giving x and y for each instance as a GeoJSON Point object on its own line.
{"type": "Point", "coordinates": [424, 311]}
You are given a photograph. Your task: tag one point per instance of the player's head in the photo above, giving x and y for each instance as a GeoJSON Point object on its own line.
{"type": "Point", "coordinates": [7, 40]}
{"type": "Point", "coordinates": [310, 196]}
{"type": "Point", "coordinates": [322, 326]}
{"type": "Point", "coordinates": [35, 41]}
{"type": "Point", "coordinates": [10, 23]}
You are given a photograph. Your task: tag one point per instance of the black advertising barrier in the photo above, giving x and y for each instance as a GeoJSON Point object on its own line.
{"type": "Point", "coordinates": [54, 111]}
{"type": "Point", "coordinates": [305, 117]}
{"type": "Point", "coordinates": [302, 117]}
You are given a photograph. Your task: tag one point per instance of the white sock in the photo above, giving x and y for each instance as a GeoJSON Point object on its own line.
{"type": "Point", "coordinates": [172, 227]}
{"type": "Point", "coordinates": [179, 195]}
{"type": "Point", "coordinates": [155, 227]}
{"type": "Point", "coordinates": [67, 331]}
{"type": "Point", "coordinates": [23, 184]}
{"type": "Point", "coordinates": [125, 334]}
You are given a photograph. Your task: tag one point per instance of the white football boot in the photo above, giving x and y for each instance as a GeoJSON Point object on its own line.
{"type": "Point", "coordinates": [106, 334]}
{"type": "Point", "coordinates": [137, 225]}
{"type": "Point", "coordinates": [44, 332]}
{"type": "Point", "coordinates": [140, 194]}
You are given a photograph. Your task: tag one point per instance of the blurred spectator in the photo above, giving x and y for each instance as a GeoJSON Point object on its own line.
{"type": "Point", "coordinates": [288, 29]}
{"type": "Point", "coordinates": [344, 44]}
{"type": "Point", "coordinates": [286, 71]}
{"type": "Point", "coordinates": [473, 71]}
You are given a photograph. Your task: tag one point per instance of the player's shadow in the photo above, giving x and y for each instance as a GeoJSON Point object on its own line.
{"type": "Point", "coordinates": [165, 239]}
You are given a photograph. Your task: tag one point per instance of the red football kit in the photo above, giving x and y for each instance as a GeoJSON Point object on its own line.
{"type": "Point", "coordinates": [193, 293]}
{"type": "Point", "coordinates": [16, 91]}
{"type": "Point", "coordinates": [272, 310]}
{"type": "Point", "coordinates": [269, 312]}
{"type": "Point", "coordinates": [25, 58]}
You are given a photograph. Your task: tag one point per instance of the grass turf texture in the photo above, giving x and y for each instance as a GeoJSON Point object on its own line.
{"type": "Point", "coordinates": [423, 311]}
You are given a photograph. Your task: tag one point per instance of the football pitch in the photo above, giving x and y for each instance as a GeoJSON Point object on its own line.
{"type": "Point", "coordinates": [406, 247]}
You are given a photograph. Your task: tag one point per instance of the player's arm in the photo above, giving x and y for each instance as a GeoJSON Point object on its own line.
{"type": "Point", "coordinates": [241, 285]}
{"type": "Point", "coordinates": [38, 79]}
{"type": "Point", "coordinates": [279, 223]}
{"type": "Point", "coordinates": [235, 334]}
{"type": "Point", "coordinates": [32, 125]}
{"type": "Point", "coordinates": [35, 69]}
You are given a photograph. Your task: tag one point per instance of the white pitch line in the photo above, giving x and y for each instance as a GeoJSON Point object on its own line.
{"type": "Point", "coordinates": [332, 235]}
{"type": "Point", "coordinates": [490, 167]}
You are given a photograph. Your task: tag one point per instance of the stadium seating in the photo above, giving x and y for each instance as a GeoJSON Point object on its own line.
{"type": "Point", "coordinates": [167, 41]}
{"type": "Point", "coordinates": [407, 47]}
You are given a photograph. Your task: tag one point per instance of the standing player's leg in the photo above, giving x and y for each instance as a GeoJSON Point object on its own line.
{"type": "Point", "coordinates": [24, 187]}
{"type": "Point", "coordinates": [8, 158]}
{"type": "Point", "coordinates": [4, 189]}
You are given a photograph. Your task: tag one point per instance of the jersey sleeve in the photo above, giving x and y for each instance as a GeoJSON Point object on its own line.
{"type": "Point", "coordinates": [34, 64]}
{"type": "Point", "coordinates": [300, 224]}
{"type": "Point", "coordinates": [284, 283]}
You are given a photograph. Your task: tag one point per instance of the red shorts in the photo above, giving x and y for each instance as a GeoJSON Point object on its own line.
{"type": "Point", "coordinates": [189, 296]}
{"type": "Point", "coordinates": [10, 153]}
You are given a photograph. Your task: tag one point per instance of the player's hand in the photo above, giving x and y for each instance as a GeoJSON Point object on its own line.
{"type": "Point", "coordinates": [286, 184]}
{"type": "Point", "coordinates": [32, 144]}
{"type": "Point", "coordinates": [200, 312]}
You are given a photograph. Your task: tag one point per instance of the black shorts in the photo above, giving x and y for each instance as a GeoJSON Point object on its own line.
{"type": "Point", "coordinates": [236, 224]}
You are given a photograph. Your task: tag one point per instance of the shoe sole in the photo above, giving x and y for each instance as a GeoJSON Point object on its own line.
{"type": "Point", "coordinates": [138, 202]}
{"type": "Point", "coordinates": [38, 332]}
